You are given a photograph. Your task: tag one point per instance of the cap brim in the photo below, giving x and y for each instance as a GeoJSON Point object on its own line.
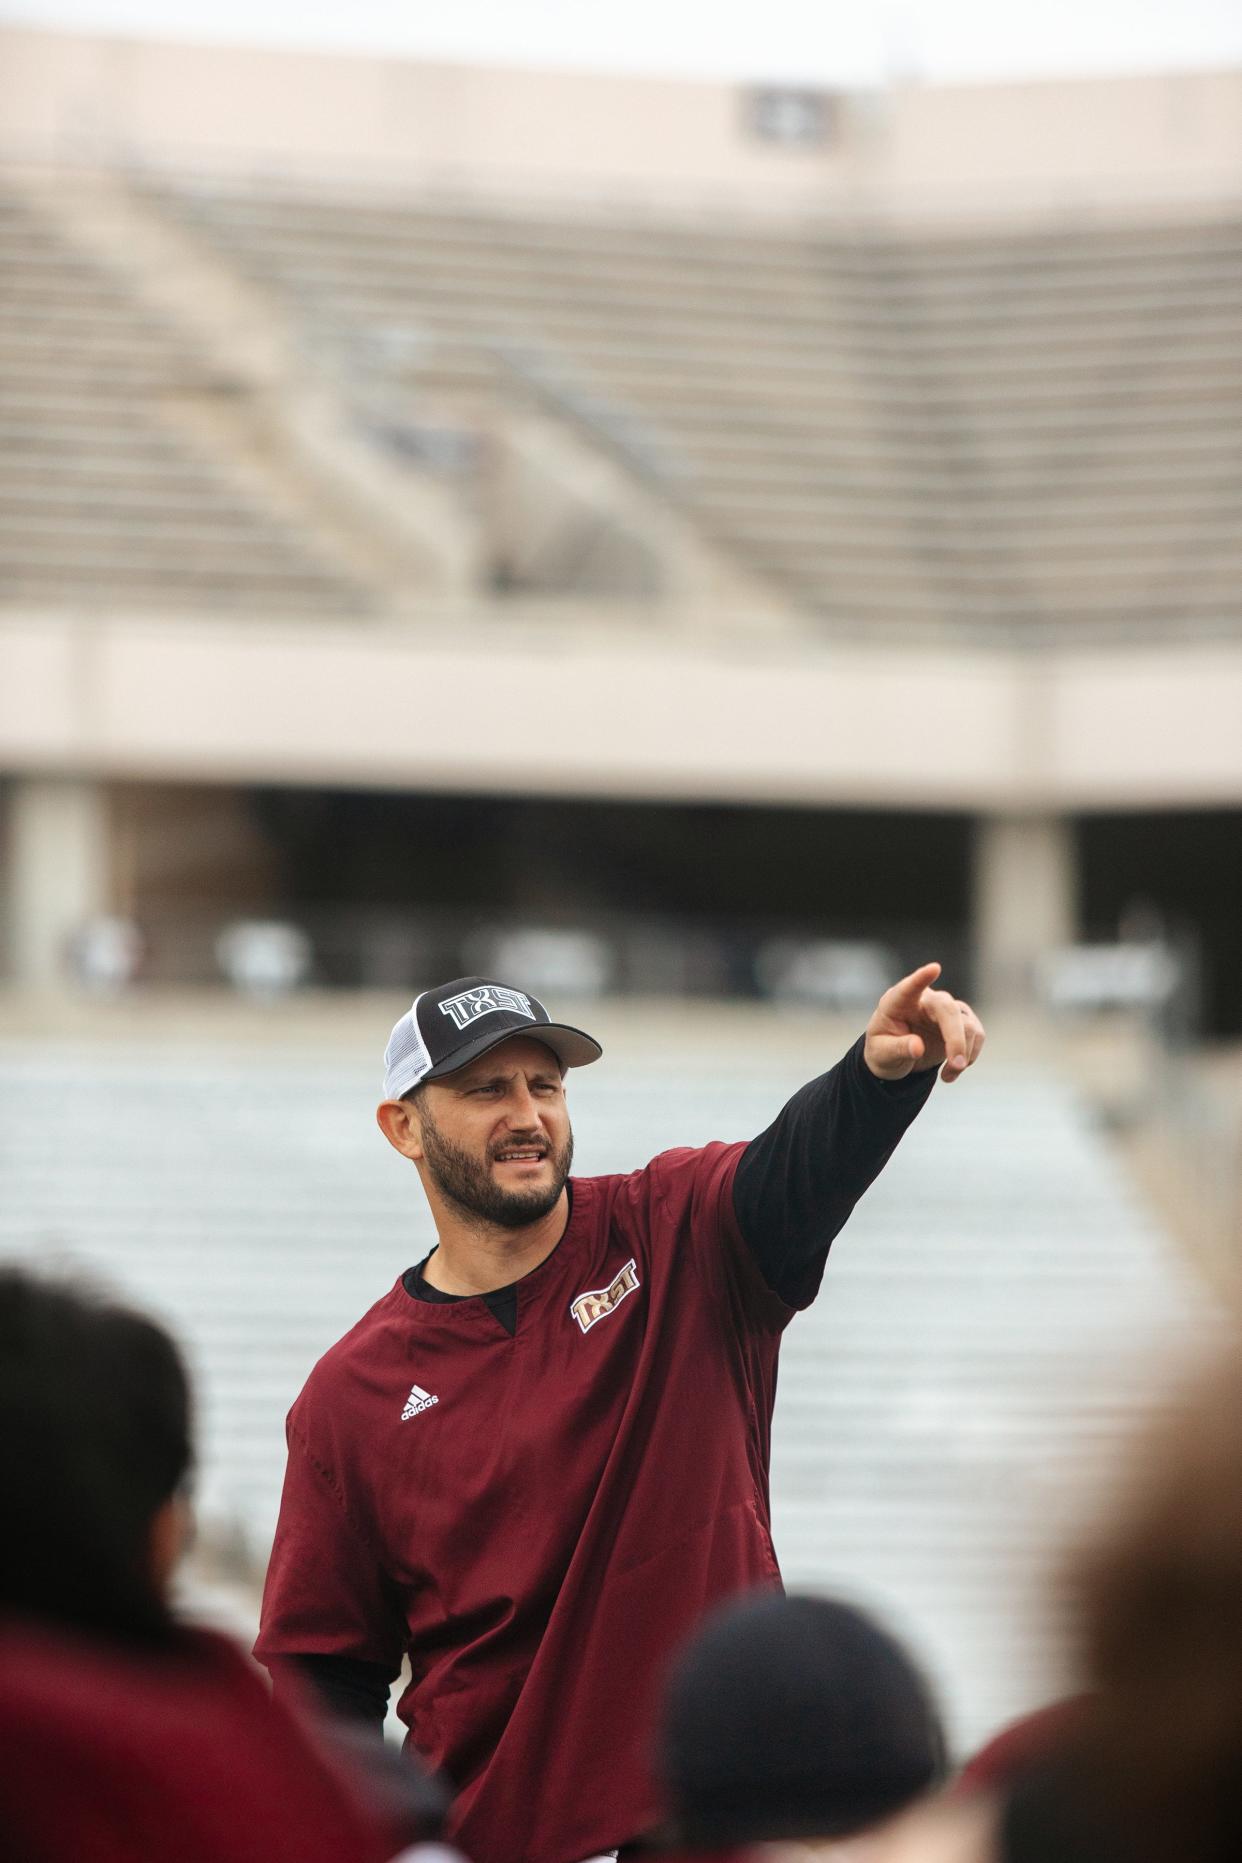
{"type": "Point", "coordinates": [572, 1047]}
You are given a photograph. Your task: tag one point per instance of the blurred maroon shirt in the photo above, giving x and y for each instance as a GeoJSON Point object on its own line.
{"type": "Point", "coordinates": [113, 1755]}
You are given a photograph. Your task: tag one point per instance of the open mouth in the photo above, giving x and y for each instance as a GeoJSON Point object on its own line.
{"type": "Point", "coordinates": [530, 1156]}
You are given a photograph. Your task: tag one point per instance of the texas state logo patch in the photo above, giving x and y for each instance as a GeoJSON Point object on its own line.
{"type": "Point", "coordinates": [599, 1302]}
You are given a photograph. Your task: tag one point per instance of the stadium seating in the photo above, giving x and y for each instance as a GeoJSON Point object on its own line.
{"type": "Point", "coordinates": [999, 431]}
{"type": "Point", "coordinates": [105, 500]}
{"type": "Point", "coordinates": [993, 1318]}
{"type": "Point", "coordinates": [1003, 433]}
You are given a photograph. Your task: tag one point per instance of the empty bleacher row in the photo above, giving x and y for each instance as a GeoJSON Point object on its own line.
{"type": "Point", "coordinates": [105, 499]}
{"type": "Point", "coordinates": [1017, 429]}
{"type": "Point", "coordinates": [993, 1319]}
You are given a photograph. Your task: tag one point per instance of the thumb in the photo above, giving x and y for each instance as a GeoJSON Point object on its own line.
{"type": "Point", "coordinates": [891, 1057]}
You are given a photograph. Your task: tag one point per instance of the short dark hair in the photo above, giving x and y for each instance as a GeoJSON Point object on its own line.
{"type": "Point", "coordinates": [95, 1436]}
{"type": "Point", "coordinates": [788, 1718]}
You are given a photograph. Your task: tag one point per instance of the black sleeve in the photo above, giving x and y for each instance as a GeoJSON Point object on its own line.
{"type": "Point", "coordinates": [797, 1183]}
{"type": "Point", "coordinates": [353, 1690]}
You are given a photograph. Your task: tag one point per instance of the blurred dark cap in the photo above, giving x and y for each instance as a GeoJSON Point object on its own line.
{"type": "Point", "coordinates": [791, 1717]}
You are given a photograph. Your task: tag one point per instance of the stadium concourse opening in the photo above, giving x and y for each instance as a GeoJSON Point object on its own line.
{"type": "Point", "coordinates": [1175, 874]}
{"type": "Point", "coordinates": [685, 897]}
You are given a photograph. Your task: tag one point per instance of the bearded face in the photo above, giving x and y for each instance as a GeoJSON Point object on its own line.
{"type": "Point", "coordinates": [510, 1181]}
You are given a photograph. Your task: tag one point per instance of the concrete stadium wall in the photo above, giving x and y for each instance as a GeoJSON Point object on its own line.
{"type": "Point", "coordinates": [69, 97]}
{"type": "Point", "coordinates": [569, 702]}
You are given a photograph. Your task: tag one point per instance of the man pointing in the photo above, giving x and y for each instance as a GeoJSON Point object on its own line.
{"type": "Point", "coordinates": [537, 1461]}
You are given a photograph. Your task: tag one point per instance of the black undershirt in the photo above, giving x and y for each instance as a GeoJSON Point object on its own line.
{"type": "Point", "coordinates": [793, 1192]}
{"type": "Point", "coordinates": [502, 1301]}
{"type": "Point", "coordinates": [797, 1183]}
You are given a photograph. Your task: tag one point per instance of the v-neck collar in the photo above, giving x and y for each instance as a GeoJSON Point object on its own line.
{"type": "Point", "coordinates": [525, 1292]}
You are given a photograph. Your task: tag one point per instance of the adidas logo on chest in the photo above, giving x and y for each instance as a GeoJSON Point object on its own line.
{"type": "Point", "coordinates": [416, 1401]}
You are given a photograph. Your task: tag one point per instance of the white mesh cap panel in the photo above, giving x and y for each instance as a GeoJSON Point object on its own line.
{"type": "Point", "coordinates": [406, 1059]}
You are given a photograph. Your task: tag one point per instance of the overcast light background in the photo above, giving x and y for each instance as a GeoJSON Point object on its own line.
{"type": "Point", "coordinates": [868, 42]}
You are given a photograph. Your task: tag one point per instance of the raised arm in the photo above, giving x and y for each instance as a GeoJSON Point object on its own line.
{"type": "Point", "coordinates": [797, 1183]}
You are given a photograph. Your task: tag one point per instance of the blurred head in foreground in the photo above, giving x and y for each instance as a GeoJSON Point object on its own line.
{"type": "Point", "coordinates": [94, 1456]}
{"type": "Point", "coordinates": [1161, 1612]}
{"type": "Point", "coordinates": [123, 1732]}
{"type": "Point", "coordinates": [793, 1718]}
{"type": "Point", "coordinates": [1148, 1766]}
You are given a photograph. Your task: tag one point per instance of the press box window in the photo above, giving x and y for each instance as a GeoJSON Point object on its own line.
{"type": "Point", "coordinates": [790, 118]}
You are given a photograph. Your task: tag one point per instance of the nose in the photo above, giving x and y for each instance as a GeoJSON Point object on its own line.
{"type": "Point", "coordinates": [522, 1112]}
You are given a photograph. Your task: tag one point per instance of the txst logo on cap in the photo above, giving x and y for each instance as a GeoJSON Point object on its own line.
{"type": "Point", "coordinates": [448, 1027]}
{"type": "Point", "coordinates": [484, 1001]}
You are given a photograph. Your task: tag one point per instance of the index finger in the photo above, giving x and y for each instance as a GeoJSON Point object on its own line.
{"type": "Point", "coordinates": [903, 998]}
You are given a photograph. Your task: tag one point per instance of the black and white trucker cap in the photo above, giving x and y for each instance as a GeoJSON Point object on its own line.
{"type": "Point", "coordinates": [452, 1025]}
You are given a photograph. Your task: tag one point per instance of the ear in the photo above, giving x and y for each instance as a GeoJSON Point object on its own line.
{"type": "Point", "coordinates": [398, 1121]}
{"type": "Point", "coordinates": [169, 1532]}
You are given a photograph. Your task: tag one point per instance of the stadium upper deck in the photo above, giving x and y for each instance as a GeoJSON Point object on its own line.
{"type": "Point", "coordinates": [984, 434]}
{"type": "Point", "coordinates": [637, 445]}
{"type": "Point", "coordinates": [1005, 435]}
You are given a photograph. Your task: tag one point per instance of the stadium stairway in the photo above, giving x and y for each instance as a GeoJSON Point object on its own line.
{"type": "Point", "coordinates": [993, 1319]}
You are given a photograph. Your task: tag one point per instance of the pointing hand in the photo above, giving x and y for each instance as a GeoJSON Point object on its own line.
{"type": "Point", "coordinates": [916, 1027]}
